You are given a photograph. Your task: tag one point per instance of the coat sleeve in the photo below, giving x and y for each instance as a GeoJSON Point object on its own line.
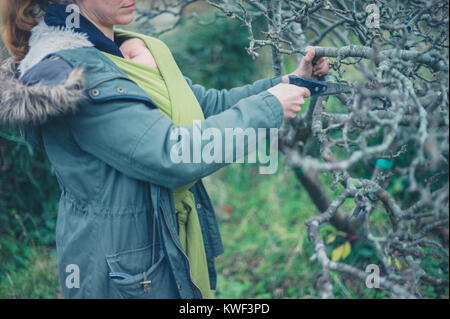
{"type": "Point", "coordinates": [138, 140]}
{"type": "Point", "coordinates": [215, 101]}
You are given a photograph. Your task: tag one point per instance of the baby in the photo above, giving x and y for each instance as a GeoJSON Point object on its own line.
{"type": "Point", "coordinates": [136, 50]}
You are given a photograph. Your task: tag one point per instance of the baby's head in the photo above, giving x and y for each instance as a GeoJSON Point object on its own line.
{"type": "Point", "coordinates": [132, 48]}
{"type": "Point", "coordinates": [136, 50]}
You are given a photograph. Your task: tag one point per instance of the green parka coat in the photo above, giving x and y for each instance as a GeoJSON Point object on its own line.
{"type": "Point", "coordinates": [110, 148]}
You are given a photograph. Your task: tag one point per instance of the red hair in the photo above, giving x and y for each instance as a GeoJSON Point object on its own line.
{"type": "Point", "coordinates": [17, 19]}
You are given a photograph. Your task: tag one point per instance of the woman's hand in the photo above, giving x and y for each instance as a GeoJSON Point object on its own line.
{"type": "Point", "coordinates": [291, 97]}
{"type": "Point", "coordinates": [307, 70]}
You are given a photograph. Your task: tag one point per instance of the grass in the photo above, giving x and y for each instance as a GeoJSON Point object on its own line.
{"type": "Point", "coordinates": [262, 224]}
{"type": "Point", "coordinates": [38, 278]}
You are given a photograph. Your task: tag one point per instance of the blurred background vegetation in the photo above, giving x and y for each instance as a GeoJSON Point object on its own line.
{"type": "Point", "coordinates": [261, 217]}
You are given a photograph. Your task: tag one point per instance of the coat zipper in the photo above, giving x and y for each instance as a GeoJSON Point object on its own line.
{"type": "Point", "coordinates": [179, 248]}
{"type": "Point", "coordinates": [154, 239]}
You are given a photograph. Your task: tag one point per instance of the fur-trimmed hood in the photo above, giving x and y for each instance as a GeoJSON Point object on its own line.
{"type": "Point", "coordinates": [21, 104]}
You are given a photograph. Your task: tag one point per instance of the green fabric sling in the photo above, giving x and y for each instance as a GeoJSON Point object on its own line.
{"type": "Point", "coordinates": [171, 93]}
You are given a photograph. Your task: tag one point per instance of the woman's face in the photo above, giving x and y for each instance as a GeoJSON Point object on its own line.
{"type": "Point", "coordinates": [109, 12]}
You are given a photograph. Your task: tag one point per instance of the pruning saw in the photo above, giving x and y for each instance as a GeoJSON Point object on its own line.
{"type": "Point", "coordinates": [319, 87]}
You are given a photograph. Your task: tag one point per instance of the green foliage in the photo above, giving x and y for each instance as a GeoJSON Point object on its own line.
{"type": "Point", "coordinates": [28, 193]}
{"type": "Point", "coordinates": [262, 223]}
{"type": "Point", "coordinates": [3, 51]}
{"type": "Point", "coordinates": [211, 56]}
{"type": "Point", "coordinates": [36, 278]}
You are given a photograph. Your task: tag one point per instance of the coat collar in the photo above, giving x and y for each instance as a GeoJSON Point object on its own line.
{"type": "Point", "coordinates": [46, 40]}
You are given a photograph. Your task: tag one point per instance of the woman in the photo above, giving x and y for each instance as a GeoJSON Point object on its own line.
{"type": "Point", "coordinates": [120, 231]}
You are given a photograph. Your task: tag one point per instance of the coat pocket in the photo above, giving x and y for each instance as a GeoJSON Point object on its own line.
{"type": "Point", "coordinates": [141, 273]}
